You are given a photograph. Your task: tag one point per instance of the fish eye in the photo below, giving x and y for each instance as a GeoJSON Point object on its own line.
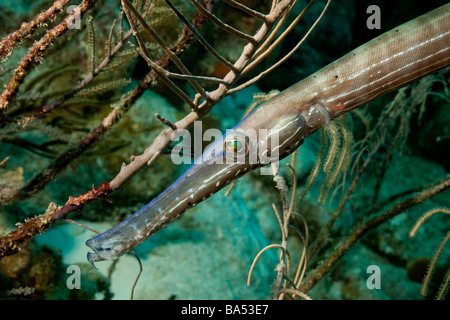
{"type": "Point", "coordinates": [236, 144]}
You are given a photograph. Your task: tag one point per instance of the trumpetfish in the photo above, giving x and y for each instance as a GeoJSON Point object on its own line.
{"type": "Point", "coordinates": [388, 62]}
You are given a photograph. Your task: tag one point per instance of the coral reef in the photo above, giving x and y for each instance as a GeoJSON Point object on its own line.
{"type": "Point", "coordinates": [78, 129]}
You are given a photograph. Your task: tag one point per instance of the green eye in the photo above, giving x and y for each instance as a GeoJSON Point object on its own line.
{"type": "Point", "coordinates": [236, 145]}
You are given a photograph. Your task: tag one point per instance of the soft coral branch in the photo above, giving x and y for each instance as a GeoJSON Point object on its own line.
{"type": "Point", "coordinates": [25, 231]}
{"type": "Point", "coordinates": [35, 55]}
{"type": "Point", "coordinates": [39, 181]}
{"type": "Point", "coordinates": [27, 28]}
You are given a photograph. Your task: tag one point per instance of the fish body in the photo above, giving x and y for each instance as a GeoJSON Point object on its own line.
{"type": "Point", "coordinates": [280, 125]}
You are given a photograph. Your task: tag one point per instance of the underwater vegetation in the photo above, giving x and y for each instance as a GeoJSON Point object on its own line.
{"type": "Point", "coordinates": [91, 94]}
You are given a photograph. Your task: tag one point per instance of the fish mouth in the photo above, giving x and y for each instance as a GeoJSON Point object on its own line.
{"type": "Point", "coordinates": [97, 255]}
{"type": "Point", "coordinates": [104, 249]}
{"type": "Point", "coordinates": [92, 258]}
